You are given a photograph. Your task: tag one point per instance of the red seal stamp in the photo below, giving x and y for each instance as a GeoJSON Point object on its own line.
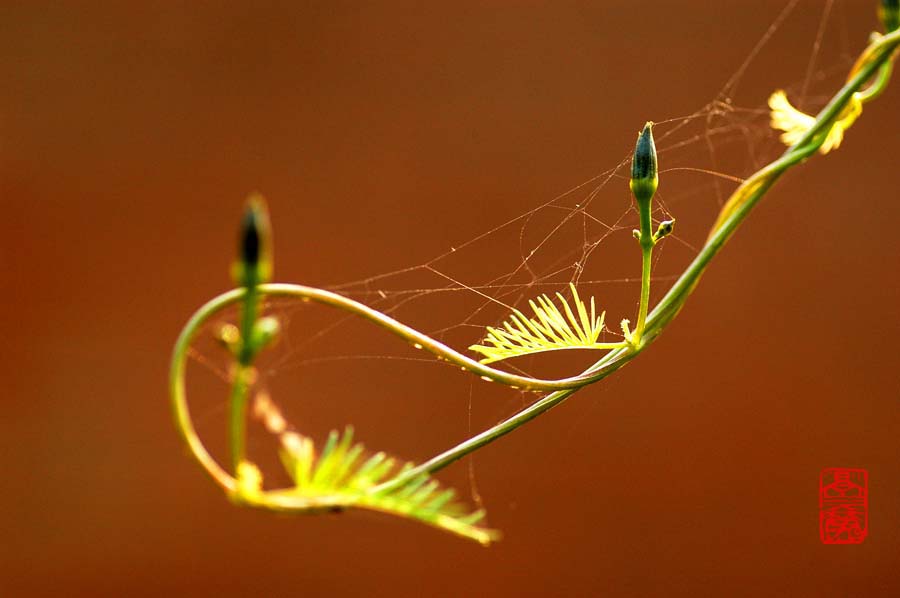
{"type": "Point", "coordinates": [843, 505]}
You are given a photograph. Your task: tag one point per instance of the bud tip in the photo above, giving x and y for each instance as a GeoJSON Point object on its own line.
{"type": "Point", "coordinates": [255, 260]}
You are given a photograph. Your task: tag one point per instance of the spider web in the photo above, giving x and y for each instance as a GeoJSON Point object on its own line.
{"type": "Point", "coordinates": [703, 157]}
{"type": "Point", "coordinates": [580, 236]}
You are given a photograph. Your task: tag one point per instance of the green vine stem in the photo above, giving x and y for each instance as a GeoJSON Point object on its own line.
{"type": "Point", "coordinates": [873, 62]}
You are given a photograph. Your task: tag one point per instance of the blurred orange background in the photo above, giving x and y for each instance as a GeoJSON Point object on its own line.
{"type": "Point", "coordinates": [383, 134]}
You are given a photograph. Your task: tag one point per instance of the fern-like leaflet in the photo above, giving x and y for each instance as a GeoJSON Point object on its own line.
{"type": "Point", "coordinates": [340, 478]}
{"type": "Point", "coordinates": [548, 330]}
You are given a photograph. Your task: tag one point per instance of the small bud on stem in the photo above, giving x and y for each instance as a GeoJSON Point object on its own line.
{"type": "Point", "coordinates": [643, 184]}
{"type": "Point", "coordinates": [265, 331]}
{"type": "Point", "coordinates": [664, 229]}
{"type": "Point", "coordinates": [254, 265]}
{"type": "Point", "coordinates": [644, 177]}
{"type": "Point", "coordinates": [252, 268]}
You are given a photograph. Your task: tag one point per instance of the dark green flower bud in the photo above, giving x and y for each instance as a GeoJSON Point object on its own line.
{"type": "Point", "coordinates": [889, 12]}
{"type": "Point", "coordinates": [664, 229]}
{"type": "Point", "coordinates": [254, 265]}
{"type": "Point", "coordinates": [644, 177]}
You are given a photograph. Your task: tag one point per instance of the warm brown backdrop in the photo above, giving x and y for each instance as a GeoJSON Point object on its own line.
{"type": "Point", "coordinates": [382, 136]}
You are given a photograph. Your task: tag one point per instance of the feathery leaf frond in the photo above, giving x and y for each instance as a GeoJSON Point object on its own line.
{"type": "Point", "coordinates": [339, 477]}
{"type": "Point", "coordinates": [795, 123]}
{"type": "Point", "coordinates": [548, 330]}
